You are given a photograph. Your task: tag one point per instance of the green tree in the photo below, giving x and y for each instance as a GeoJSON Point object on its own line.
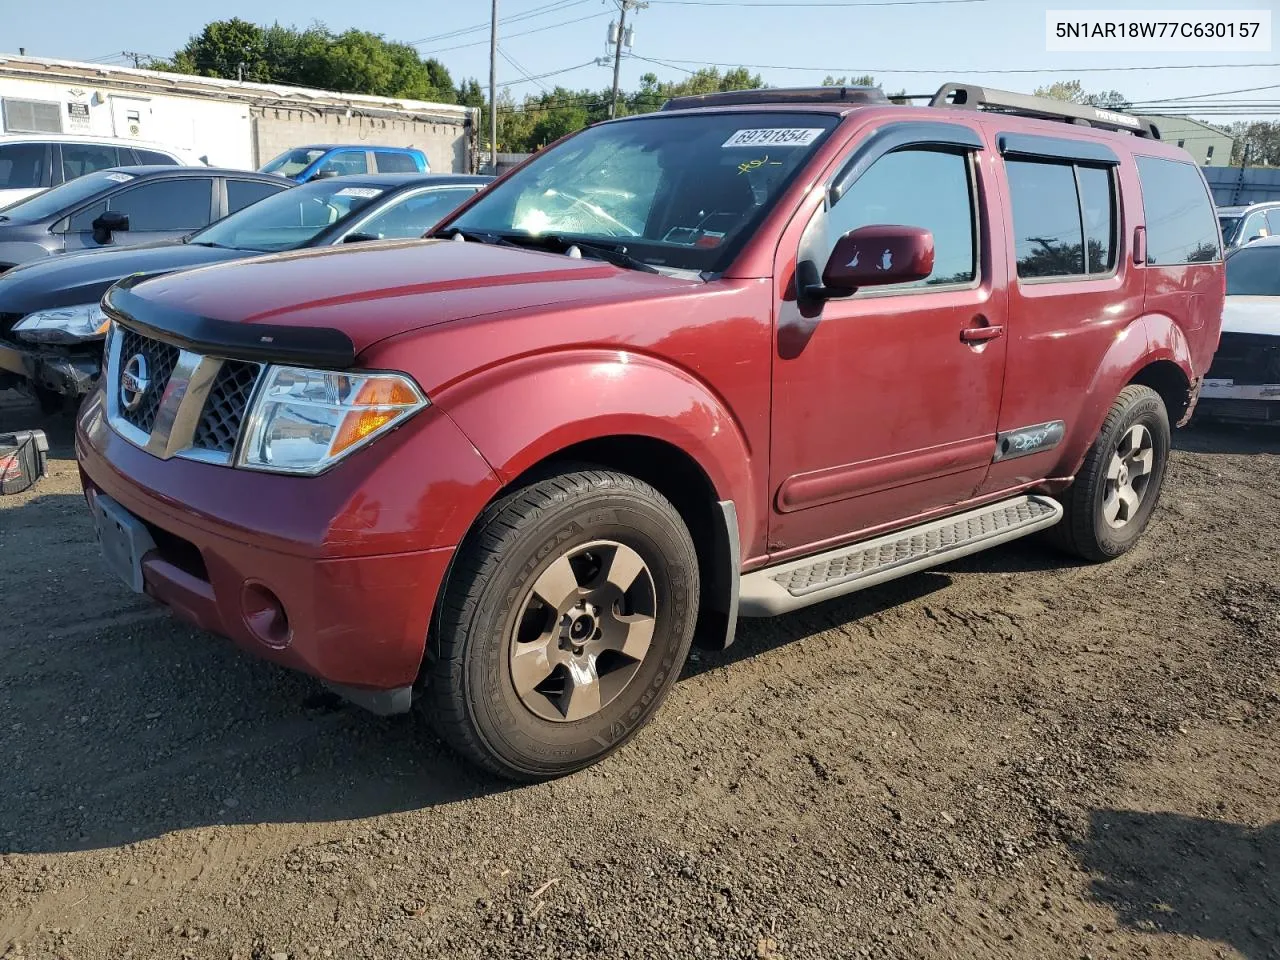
{"type": "Point", "coordinates": [1073, 91]}
{"type": "Point", "coordinates": [865, 80]}
{"type": "Point", "coordinates": [1257, 143]}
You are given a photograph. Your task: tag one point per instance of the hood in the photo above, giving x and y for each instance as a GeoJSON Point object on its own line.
{"type": "Point", "coordinates": [84, 277]}
{"type": "Point", "coordinates": [383, 288]}
{"type": "Point", "coordinates": [1251, 315]}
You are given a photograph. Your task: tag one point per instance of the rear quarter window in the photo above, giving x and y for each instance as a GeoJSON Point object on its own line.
{"type": "Point", "coordinates": [1181, 226]}
{"type": "Point", "coordinates": [395, 163]}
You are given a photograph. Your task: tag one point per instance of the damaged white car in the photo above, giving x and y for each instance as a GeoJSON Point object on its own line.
{"type": "Point", "coordinates": [1243, 382]}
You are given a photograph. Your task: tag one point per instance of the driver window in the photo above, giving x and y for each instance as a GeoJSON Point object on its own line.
{"type": "Point", "coordinates": [913, 188]}
{"type": "Point", "coordinates": [1254, 227]}
{"type": "Point", "coordinates": [347, 162]}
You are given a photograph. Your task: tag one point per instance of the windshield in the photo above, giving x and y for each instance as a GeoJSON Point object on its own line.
{"type": "Point", "coordinates": [1254, 272]}
{"type": "Point", "coordinates": [65, 196]}
{"type": "Point", "coordinates": [1228, 225]}
{"type": "Point", "coordinates": [292, 162]}
{"type": "Point", "coordinates": [289, 218]}
{"type": "Point", "coordinates": [670, 191]}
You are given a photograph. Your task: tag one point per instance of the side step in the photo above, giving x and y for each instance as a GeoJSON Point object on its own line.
{"type": "Point", "coordinates": [790, 586]}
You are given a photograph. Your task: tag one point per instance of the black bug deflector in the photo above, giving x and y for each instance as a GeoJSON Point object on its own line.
{"type": "Point", "coordinates": [265, 343]}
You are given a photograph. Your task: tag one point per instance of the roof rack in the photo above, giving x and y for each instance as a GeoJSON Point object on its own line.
{"type": "Point", "coordinates": [966, 96]}
{"type": "Point", "coordinates": [735, 98]}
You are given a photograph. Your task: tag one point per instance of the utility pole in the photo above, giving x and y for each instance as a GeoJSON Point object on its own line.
{"type": "Point", "coordinates": [624, 6]}
{"type": "Point", "coordinates": [493, 89]}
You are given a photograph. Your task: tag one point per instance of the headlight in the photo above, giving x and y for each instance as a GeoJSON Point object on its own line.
{"type": "Point", "coordinates": [84, 321]}
{"type": "Point", "coordinates": [304, 421]}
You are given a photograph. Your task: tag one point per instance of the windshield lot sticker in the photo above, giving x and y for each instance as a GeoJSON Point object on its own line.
{"type": "Point", "coordinates": [748, 165]}
{"type": "Point", "coordinates": [367, 192]}
{"type": "Point", "coordinates": [773, 137]}
{"type": "Point", "coordinates": [120, 177]}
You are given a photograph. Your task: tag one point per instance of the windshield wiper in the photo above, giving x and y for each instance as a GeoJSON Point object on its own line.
{"type": "Point", "coordinates": [614, 255]}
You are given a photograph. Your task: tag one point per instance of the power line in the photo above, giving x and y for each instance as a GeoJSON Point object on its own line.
{"type": "Point", "coordinates": [520, 33]}
{"type": "Point", "coordinates": [540, 76]}
{"type": "Point", "coordinates": [1220, 93]}
{"type": "Point", "coordinates": [546, 8]}
{"type": "Point", "coordinates": [954, 71]}
{"type": "Point", "coordinates": [814, 3]}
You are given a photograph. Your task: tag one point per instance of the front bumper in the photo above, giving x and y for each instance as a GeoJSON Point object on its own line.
{"type": "Point", "coordinates": [355, 575]}
{"type": "Point", "coordinates": [68, 374]}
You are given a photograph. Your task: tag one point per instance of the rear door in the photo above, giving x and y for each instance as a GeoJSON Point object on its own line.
{"type": "Point", "coordinates": [24, 170]}
{"type": "Point", "coordinates": [883, 409]}
{"type": "Point", "coordinates": [77, 159]}
{"type": "Point", "coordinates": [1073, 292]}
{"type": "Point", "coordinates": [157, 210]}
{"type": "Point", "coordinates": [394, 161]}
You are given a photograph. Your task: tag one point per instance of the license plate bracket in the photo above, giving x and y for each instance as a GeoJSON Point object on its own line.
{"type": "Point", "coordinates": [124, 539]}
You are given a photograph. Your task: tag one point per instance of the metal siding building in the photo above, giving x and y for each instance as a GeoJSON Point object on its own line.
{"type": "Point", "coordinates": [231, 124]}
{"type": "Point", "coordinates": [1208, 145]}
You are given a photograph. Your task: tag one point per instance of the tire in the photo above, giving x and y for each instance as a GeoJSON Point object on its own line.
{"type": "Point", "coordinates": [509, 612]}
{"type": "Point", "coordinates": [1100, 522]}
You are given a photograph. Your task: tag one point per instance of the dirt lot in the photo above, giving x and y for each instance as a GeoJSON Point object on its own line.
{"type": "Point", "coordinates": [1010, 757]}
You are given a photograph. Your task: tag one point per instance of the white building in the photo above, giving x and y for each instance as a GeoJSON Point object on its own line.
{"type": "Point", "coordinates": [232, 124]}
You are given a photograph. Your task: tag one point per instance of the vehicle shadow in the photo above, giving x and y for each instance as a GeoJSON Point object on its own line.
{"type": "Point", "coordinates": [1174, 874]}
{"type": "Point", "coordinates": [1202, 436]}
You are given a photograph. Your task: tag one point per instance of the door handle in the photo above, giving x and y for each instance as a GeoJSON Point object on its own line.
{"type": "Point", "coordinates": [981, 334]}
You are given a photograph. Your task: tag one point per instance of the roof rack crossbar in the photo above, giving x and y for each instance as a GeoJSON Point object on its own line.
{"type": "Point", "coordinates": [966, 96]}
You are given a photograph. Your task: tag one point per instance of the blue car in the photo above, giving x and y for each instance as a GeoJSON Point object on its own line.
{"type": "Point", "coordinates": [302, 164]}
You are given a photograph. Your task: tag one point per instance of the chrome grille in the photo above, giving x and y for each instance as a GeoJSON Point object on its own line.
{"type": "Point", "coordinates": [192, 405]}
{"type": "Point", "coordinates": [160, 359]}
{"type": "Point", "coordinates": [219, 426]}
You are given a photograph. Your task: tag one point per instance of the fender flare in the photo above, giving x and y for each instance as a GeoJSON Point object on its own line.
{"type": "Point", "coordinates": [521, 412]}
{"type": "Point", "coordinates": [1149, 339]}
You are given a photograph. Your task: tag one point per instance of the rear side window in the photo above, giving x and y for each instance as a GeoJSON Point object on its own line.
{"type": "Point", "coordinates": [395, 163]}
{"type": "Point", "coordinates": [81, 158]}
{"type": "Point", "coordinates": [1181, 227]}
{"type": "Point", "coordinates": [153, 158]}
{"type": "Point", "coordinates": [1060, 211]}
{"type": "Point", "coordinates": [23, 165]}
{"type": "Point", "coordinates": [241, 193]}
{"type": "Point", "coordinates": [1273, 222]}
{"type": "Point", "coordinates": [915, 188]}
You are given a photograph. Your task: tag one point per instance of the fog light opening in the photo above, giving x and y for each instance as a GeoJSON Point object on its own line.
{"type": "Point", "coordinates": [265, 616]}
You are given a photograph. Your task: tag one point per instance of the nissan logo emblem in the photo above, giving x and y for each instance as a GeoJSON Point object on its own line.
{"type": "Point", "coordinates": [134, 382]}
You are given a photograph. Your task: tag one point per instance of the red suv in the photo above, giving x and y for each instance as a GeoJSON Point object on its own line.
{"type": "Point", "coordinates": [732, 358]}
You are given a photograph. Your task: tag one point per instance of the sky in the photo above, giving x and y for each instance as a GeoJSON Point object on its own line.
{"type": "Point", "coordinates": [913, 45]}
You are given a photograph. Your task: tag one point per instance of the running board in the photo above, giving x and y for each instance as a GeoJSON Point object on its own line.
{"type": "Point", "coordinates": [790, 586]}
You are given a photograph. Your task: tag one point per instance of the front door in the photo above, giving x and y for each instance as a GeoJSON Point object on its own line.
{"type": "Point", "coordinates": [163, 209]}
{"type": "Point", "coordinates": [885, 403]}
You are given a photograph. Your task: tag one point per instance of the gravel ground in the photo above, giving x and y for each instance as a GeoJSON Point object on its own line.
{"type": "Point", "coordinates": [1009, 757]}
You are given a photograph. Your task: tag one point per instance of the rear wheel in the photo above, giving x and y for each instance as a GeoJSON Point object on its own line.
{"type": "Point", "coordinates": [1109, 504]}
{"type": "Point", "coordinates": [564, 623]}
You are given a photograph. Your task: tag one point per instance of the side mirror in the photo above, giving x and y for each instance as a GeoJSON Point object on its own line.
{"type": "Point", "coordinates": [1256, 236]}
{"type": "Point", "coordinates": [359, 237]}
{"type": "Point", "coordinates": [108, 223]}
{"type": "Point", "coordinates": [323, 174]}
{"type": "Point", "coordinates": [876, 255]}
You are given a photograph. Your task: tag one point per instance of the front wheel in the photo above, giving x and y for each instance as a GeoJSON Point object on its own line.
{"type": "Point", "coordinates": [1107, 507]}
{"type": "Point", "coordinates": [564, 623]}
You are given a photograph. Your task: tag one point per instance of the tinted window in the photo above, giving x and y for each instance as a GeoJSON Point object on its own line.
{"type": "Point", "coordinates": [81, 158]}
{"type": "Point", "coordinates": [395, 163]}
{"type": "Point", "coordinates": [346, 162]}
{"type": "Point", "coordinates": [1046, 219]}
{"type": "Point", "coordinates": [152, 158]}
{"type": "Point", "coordinates": [241, 193]}
{"type": "Point", "coordinates": [414, 216]}
{"type": "Point", "coordinates": [23, 165]}
{"type": "Point", "coordinates": [161, 205]}
{"type": "Point", "coordinates": [1254, 272]}
{"type": "Point", "coordinates": [1180, 221]}
{"type": "Point", "coordinates": [912, 188]}
{"type": "Point", "coordinates": [1273, 222]}
{"type": "Point", "coordinates": [1228, 225]}
{"type": "Point", "coordinates": [1097, 202]}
